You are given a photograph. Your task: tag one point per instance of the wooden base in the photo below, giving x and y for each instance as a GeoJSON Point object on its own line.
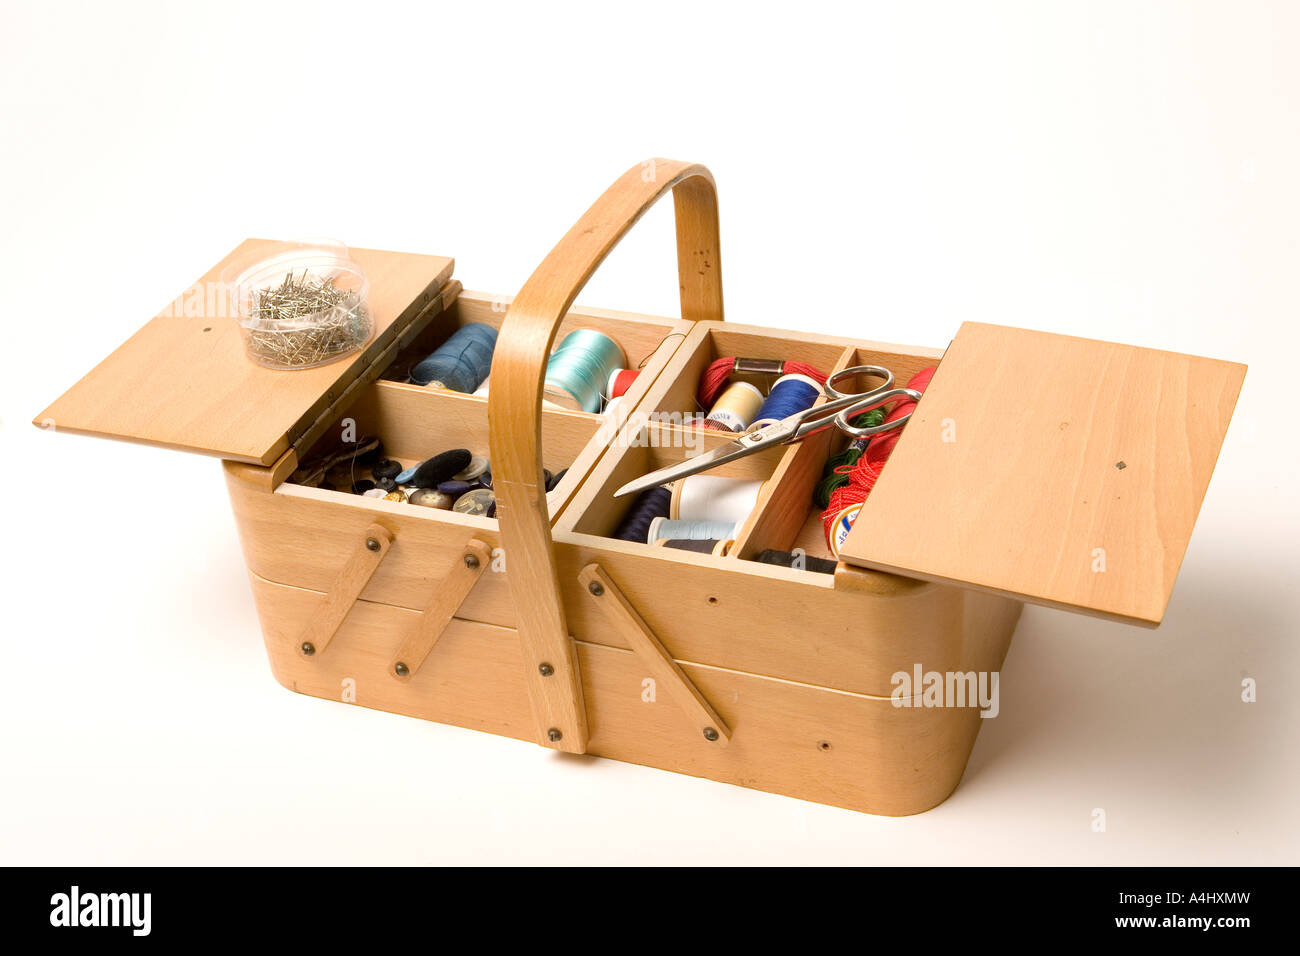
{"type": "Point", "coordinates": [847, 750]}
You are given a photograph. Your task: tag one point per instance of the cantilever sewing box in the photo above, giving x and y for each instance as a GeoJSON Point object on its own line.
{"type": "Point", "coordinates": [769, 677]}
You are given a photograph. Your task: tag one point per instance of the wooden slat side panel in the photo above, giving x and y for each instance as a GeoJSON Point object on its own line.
{"type": "Point", "coordinates": [846, 750]}
{"type": "Point", "coordinates": [1062, 471]}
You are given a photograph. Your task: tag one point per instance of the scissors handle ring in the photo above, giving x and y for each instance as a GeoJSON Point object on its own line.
{"type": "Point", "coordinates": [875, 371]}
{"type": "Point", "coordinates": [843, 420]}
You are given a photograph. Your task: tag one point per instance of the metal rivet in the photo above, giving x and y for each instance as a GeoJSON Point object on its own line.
{"type": "Point", "coordinates": [308, 648]}
{"type": "Point", "coordinates": [471, 561]}
{"type": "Point", "coordinates": [400, 669]}
{"type": "Point", "coordinates": [372, 544]}
{"type": "Point", "coordinates": [553, 734]}
{"type": "Point", "coordinates": [596, 588]}
{"type": "Point", "coordinates": [710, 734]}
{"type": "Point", "coordinates": [546, 670]}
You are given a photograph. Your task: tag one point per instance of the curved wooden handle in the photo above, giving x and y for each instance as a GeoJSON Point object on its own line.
{"type": "Point", "coordinates": [514, 410]}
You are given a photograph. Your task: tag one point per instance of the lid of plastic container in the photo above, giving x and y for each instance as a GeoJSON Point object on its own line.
{"type": "Point", "coordinates": [184, 380]}
{"type": "Point", "coordinates": [1056, 470]}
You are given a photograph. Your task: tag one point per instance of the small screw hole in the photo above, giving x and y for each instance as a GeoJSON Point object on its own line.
{"type": "Point", "coordinates": [824, 745]}
{"type": "Point", "coordinates": [713, 600]}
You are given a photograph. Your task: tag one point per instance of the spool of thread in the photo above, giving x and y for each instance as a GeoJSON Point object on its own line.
{"type": "Point", "coordinates": [649, 505]}
{"type": "Point", "coordinates": [705, 546]}
{"type": "Point", "coordinates": [800, 562]}
{"type": "Point", "coordinates": [620, 380]}
{"type": "Point", "coordinates": [708, 424]}
{"type": "Point", "coordinates": [737, 406]}
{"type": "Point", "coordinates": [690, 530]}
{"type": "Point", "coordinates": [720, 370]}
{"type": "Point", "coordinates": [710, 498]}
{"type": "Point", "coordinates": [790, 395]}
{"type": "Point", "coordinates": [460, 364]}
{"type": "Point", "coordinates": [612, 404]}
{"type": "Point", "coordinates": [578, 372]}
{"type": "Point", "coordinates": [838, 528]}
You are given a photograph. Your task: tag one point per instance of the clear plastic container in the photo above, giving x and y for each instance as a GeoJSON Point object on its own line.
{"type": "Point", "coordinates": [303, 307]}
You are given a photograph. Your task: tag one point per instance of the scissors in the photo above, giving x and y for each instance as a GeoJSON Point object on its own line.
{"type": "Point", "coordinates": [839, 411]}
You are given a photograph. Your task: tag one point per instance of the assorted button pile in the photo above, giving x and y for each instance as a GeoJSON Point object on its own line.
{"type": "Point", "coordinates": [454, 480]}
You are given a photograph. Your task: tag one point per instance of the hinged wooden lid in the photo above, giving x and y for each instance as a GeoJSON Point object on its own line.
{"type": "Point", "coordinates": [183, 381]}
{"type": "Point", "coordinates": [1057, 470]}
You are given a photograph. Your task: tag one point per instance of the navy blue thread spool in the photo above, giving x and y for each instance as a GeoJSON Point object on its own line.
{"type": "Point", "coordinates": [790, 395]}
{"type": "Point", "coordinates": [650, 504]}
{"type": "Point", "coordinates": [462, 362]}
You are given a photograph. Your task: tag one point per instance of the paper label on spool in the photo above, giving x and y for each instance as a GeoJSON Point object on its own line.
{"type": "Point", "coordinates": [840, 527]}
{"type": "Point", "coordinates": [726, 416]}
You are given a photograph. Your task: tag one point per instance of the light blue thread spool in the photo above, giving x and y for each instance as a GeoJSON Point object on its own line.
{"type": "Point", "coordinates": [577, 372]}
{"type": "Point", "coordinates": [690, 530]}
{"type": "Point", "coordinates": [462, 362]}
{"type": "Point", "coordinates": [790, 395]}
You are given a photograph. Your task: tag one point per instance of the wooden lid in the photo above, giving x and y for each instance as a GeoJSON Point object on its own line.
{"type": "Point", "coordinates": [1057, 470]}
{"type": "Point", "coordinates": [184, 381]}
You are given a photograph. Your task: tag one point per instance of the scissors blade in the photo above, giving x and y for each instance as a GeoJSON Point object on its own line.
{"type": "Point", "coordinates": [745, 445]}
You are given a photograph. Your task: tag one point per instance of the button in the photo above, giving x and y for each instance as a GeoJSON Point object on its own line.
{"type": "Point", "coordinates": [477, 466]}
{"type": "Point", "coordinates": [387, 469]}
{"type": "Point", "coordinates": [476, 502]}
{"type": "Point", "coordinates": [456, 488]}
{"type": "Point", "coordinates": [431, 498]}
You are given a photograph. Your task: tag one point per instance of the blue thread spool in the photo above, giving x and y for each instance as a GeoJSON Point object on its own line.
{"type": "Point", "coordinates": [578, 371]}
{"type": "Point", "coordinates": [650, 504]}
{"type": "Point", "coordinates": [462, 362]}
{"type": "Point", "coordinates": [790, 395]}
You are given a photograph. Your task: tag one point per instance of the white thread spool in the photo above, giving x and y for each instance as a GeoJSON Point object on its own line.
{"type": "Point", "coordinates": [666, 528]}
{"type": "Point", "coordinates": [711, 498]}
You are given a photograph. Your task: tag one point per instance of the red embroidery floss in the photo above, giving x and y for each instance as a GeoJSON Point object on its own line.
{"type": "Point", "coordinates": [715, 376]}
{"type": "Point", "coordinates": [838, 518]}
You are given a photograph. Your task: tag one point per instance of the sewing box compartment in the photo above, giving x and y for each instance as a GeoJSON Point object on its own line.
{"type": "Point", "coordinates": [766, 658]}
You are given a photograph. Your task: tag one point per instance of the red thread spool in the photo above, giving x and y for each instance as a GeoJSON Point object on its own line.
{"type": "Point", "coordinates": [621, 381]}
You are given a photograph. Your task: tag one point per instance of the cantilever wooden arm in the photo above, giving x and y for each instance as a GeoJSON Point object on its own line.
{"type": "Point", "coordinates": [514, 410]}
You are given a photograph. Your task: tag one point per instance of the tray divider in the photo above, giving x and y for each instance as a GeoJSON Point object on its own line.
{"type": "Point", "coordinates": [783, 507]}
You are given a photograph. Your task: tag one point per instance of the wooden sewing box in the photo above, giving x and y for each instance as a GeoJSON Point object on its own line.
{"type": "Point", "coordinates": [1037, 468]}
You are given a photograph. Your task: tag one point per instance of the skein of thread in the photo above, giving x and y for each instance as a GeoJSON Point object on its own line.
{"type": "Point", "coordinates": [650, 504]}
{"type": "Point", "coordinates": [846, 502]}
{"type": "Point", "coordinates": [716, 375]}
{"type": "Point", "coordinates": [836, 473]}
{"type": "Point", "coordinates": [690, 530]}
{"type": "Point", "coordinates": [462, 362]}
{"type": "Point", "coordinates": [578, 372]}
{"type": "Point", "coordinates": [736, 407]}
{"type": "Point", "coordinates": [790, 395]}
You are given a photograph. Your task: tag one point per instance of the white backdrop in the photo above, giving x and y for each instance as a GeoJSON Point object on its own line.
{"type": "Point", "coordinates": [1122, 171]}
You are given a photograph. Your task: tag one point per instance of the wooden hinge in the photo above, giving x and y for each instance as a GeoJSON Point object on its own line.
{"type": "Point", "coordinates": [448, 595]}
{"type": "Point", "coordinates": [666, 672]}
{"type": "Point", "coordinates": [344, 592]}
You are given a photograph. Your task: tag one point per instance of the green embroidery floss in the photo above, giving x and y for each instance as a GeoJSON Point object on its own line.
{"type": "Point", "coordinates": [836, 473]}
